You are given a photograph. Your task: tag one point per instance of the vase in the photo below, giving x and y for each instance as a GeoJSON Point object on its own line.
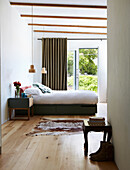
{"type": "Point", "coordinates": [17, 93]}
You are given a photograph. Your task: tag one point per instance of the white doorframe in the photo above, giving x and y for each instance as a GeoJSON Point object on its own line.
{"type": "Point", "coordinates": [77, 69]}
{"type": "Point", "coordinates": [0, 92]}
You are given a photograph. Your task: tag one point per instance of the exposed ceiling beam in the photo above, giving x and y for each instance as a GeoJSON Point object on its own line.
{"type": "Point", "coordinates": [58, 5]}
{"type": "Point", "coordinates": [69, 32]}
{"type": "Point", "coordinates": [57, 25]}
{"type": "Point", "coordinates": [82, 39]}
{"type": "Point", "coordinates": [62, 17]}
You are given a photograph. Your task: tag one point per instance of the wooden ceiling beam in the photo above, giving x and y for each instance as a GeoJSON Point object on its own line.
{"type": "Point", "coordinates": [62, 17]}
{"type": "Point", "coordinates": [58, 5]}
{"type": "Point", "coordinates": [69, 32]}
{"type": "Point", "coordinates": [57, 25]}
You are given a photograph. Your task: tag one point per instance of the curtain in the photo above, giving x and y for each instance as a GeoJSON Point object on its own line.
{"type": "Point", "coordinates": [54, 59]}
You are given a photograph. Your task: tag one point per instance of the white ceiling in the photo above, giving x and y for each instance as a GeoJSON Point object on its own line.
{"type": "Point", "coordinates": [66, 12]}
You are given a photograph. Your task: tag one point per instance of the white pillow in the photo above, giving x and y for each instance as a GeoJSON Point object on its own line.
{"type": "Point", "coordinates": [33, 91]}
{"type": "Point", "coordinates": [43, 88]}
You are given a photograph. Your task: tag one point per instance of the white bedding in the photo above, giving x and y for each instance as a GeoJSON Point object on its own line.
{"type": "Point", "coordinates": [67, 97]}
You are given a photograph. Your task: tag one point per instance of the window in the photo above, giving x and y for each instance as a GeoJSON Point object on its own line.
{"type": "Point", "coordinates": [83, 76]}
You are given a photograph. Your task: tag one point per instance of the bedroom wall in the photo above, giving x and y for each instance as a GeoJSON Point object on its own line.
{"type": "Point", "coordinates": [119, 79]}
{"type": "Point", "coordinates": [102, 63]}
{"type": "Point", "coordinates": [38, 60]}
{"type": "Point", "coordinates": [0, 89]}
{"type": "Point", "coordinates": [15, 53]}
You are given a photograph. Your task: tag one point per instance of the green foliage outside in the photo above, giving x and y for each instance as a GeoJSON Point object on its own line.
{"type": "Point", "coordinates": [86, 63]}
{"type": "Point", "coordinates": [70, 60]}
{"type": "Point", "coordinates": [85, 82]}
{"type": "Point", "coordinates": [87, 68]}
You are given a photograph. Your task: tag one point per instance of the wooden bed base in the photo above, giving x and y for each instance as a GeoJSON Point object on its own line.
{"type": "Point", "coordinates": [65, 109]}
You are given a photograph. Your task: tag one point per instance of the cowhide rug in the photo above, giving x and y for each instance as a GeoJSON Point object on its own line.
{"type": "Point", "coordinates": [57, 127]}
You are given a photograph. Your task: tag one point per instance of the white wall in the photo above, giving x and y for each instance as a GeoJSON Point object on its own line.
{"type": "Point", "coordinates": [0, 89]}
{"type": "Point", "coordinates": [102, 72]}
{"type": "Point", "coordinates": [119, 79]}
{"type": "Point", "coordinates": [38, 60]}
{"type": "Point", "coordinates": [15, 53]}
{"type": "Point", "coordinates": [102, 62]}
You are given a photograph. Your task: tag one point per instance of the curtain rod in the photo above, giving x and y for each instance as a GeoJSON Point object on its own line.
{"type": "Point", "coordinates": [82, 39]}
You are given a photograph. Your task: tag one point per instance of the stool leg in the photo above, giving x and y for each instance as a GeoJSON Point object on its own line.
{"type": "Point", "coordinates": [104, 136]}
{"type": "Point", "coordinates": [109, 136]}
{"type": "Point", "coordinates": [86, 143]}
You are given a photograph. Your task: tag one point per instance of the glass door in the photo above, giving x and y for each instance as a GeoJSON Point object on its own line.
{"type": "Point", "coordinates": [71, 70]}
{"type": "Point", "coordinates": [82, 67]}
{"type": "Point", "coordinates": [88, 68]}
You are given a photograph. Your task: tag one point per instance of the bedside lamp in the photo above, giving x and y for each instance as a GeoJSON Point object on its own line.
{"type": "Point", "coordinates": [31, 70]}
{"type": "Point", "coordinates": [44, 70]}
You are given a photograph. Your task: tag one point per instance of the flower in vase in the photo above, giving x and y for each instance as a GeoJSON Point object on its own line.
{"type": "Point", "coordinates": [17, 84]}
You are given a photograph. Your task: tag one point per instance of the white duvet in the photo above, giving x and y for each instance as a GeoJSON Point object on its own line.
{"type": "Point", "coordinates": [67, 97]}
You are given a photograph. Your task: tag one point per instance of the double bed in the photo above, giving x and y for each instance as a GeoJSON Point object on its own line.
{"type": "Point", "coordinates": [67, 97]}
{"type": "Point", "coordinates": [71, 102]}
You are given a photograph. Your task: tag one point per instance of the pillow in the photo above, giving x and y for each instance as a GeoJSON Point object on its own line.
{"type": "Point", "coordinates": [33, 91]}
{"type": "Point", "coordinates": [24, 88]}
{"type": "Point", "coordinates": [43, 88]}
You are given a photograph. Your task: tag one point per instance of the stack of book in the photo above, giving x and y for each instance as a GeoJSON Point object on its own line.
{"type": "Point", "coordinates": [96, 121]}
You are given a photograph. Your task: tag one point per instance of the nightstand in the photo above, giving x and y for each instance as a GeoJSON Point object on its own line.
{"type": "Point", "coordinates": [20, 104]}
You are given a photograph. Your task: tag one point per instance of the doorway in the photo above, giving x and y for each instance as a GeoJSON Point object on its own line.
{"type": "Point", "coordinates": [82, 68]}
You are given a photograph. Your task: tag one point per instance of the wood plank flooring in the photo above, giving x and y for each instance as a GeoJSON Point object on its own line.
{"type": "Point", "coordinates": [21, 152]}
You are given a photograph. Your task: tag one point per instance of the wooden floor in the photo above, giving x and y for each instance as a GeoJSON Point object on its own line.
{"type": "Point", "coordinates": [20, 152]}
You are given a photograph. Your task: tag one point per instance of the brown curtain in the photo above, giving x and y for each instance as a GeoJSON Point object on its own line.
{"type": "Point", "coordinates": [54, 59]}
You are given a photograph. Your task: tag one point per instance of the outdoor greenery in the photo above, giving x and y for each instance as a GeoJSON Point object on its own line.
{"type": "Point", "coordinates": [87, 69]}
{"type": "Point", "coordinates": [86, 61]}
{"type": "Point", "coordinates": [85, 82]}
{"type": "Point", "coordinates": [70, 63]}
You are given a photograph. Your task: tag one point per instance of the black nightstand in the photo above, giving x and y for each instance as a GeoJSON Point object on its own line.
{"type": "Point", "coordinates": [20, 104]}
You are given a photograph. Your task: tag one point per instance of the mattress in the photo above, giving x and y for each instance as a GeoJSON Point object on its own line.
{"type": "Point", "coordinates": [67, 97]}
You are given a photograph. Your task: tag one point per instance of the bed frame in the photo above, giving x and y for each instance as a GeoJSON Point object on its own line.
{"type": "Point", "coordinates": [65, 109]}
